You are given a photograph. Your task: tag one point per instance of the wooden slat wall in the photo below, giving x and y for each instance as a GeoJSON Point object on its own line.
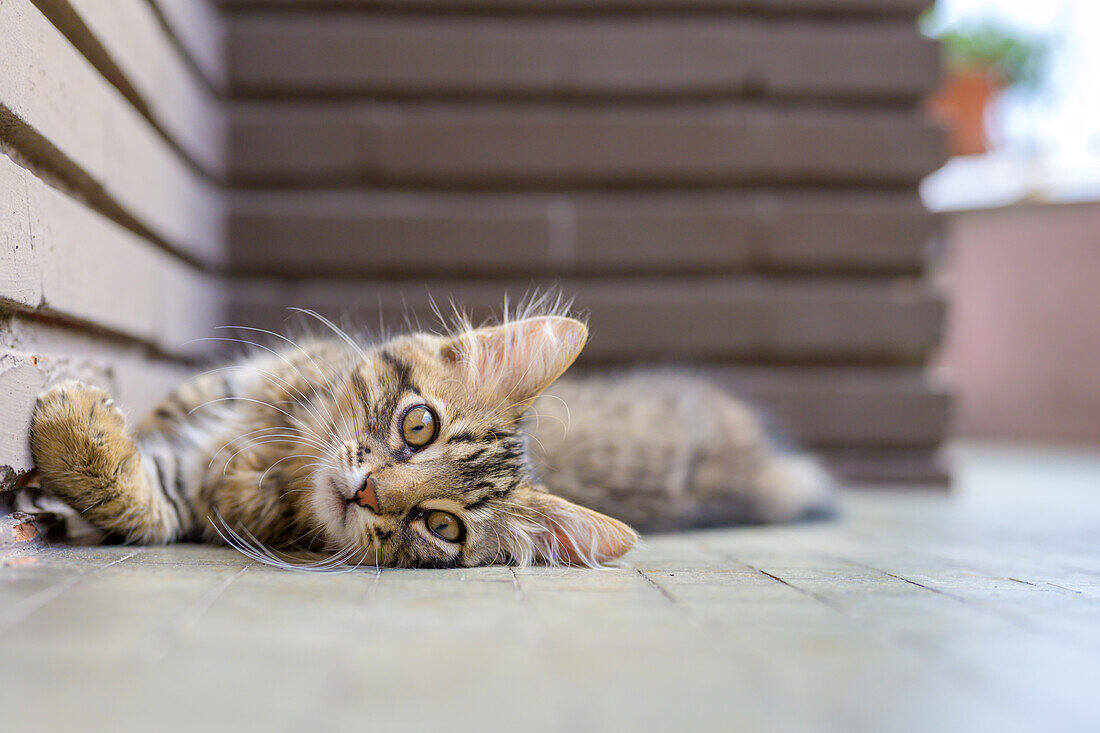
{"type": "Point", "coordinates": [726, 184]}
{"type": "Point", "coordinates": [110, 215]}
{"type": "Point", "coordinates": [729, 184]}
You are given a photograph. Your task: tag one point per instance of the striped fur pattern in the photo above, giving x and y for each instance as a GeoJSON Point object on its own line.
{"type": "Point", "coordinates": [301, 448]}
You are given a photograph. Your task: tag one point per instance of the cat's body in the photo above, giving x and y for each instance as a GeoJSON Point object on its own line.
{"type": "Point", "coordinates": [684, 453]}
{"type": "Point", "coordinates": [423, 450]}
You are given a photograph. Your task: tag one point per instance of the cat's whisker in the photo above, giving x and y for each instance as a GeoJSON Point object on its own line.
{"type": "Point", "coordinates": [290, 437]}
{"type": "Point", "coordinates": [249, 446]}
{"type": "Point", "coordinates": [258, 402]}
{"type": "Point", "coordinates": [536, 439]}
{"type": "Point", "coordinates": [257, 551]}
{"type": "Point", "coordinates": [538, 415]}
{"type": "Point", "coordinates": [333, 327]}
{"type": "Point", "coordinates": [277, 355]}
{"type": "Point", "coordinates": [308, 405]}
{"type": "Point", "coordinates": [320, 371]}
{"type": "Point", "coordinates": [276, 463]}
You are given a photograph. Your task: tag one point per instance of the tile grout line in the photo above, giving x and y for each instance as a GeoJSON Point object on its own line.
{"type": "Point", "coordinates": [827, 602]}
{"type": "Point", "coordinates": [657, 586]}
{"type": "Point", "coordinates": [970, 565]}
{"type": "Point", "coordinates": [38, 600]}
{"type": "Point", "coordinates": [824, 600]}
{"type": "Point", "coordinates": [973, 604]}
{"type": "Point", "coordinates": [191, 615]}
{"type": "Point", "coordinates": [873, 536]}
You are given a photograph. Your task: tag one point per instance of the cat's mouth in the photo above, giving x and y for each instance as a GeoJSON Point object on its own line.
{"type": "Point", "coordinates": [339, 503]}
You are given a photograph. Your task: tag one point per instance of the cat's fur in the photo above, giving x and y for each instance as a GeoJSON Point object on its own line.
{"type": "Point", "coordinates": [276, 453]}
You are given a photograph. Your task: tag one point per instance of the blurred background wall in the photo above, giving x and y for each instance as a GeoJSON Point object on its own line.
{"type": "Point", "coordinates": [1022, 224]}
{"type": "Point", "coordinates": [730, 185]}
{"type": "Point", "coordinates": [725, 184]}
{"type": "Point", "coordinates": [1023, 337]}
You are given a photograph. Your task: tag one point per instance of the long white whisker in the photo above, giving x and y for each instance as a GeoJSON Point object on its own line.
{"type": "Point", "coordinates": [286, 361]}
{"type": "Point", "coordinates": [331, 390]}
{"type": "Point", "coordinates": [309, 406]}
{"type": "Point", "coordinates": [276, 463]}
{"type": "Point", "coordinates": [287, 437]}
{"type": "Point", "coordinates": [335, 329]}
{"type": "Point", "coordinates": [258, 402]}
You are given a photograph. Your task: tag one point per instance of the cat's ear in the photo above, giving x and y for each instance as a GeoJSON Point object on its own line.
{"type": "Point", "coordinates": [570, 534]}
{"type": "Point", "coordinates": [516, 361]}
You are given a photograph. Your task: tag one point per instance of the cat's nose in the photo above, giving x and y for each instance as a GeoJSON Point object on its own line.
{"type": "Point", "coordinates": [366, 495]}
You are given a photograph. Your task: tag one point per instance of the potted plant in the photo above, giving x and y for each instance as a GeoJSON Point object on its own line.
{"type": "Point", "coordinates": [980, 61]}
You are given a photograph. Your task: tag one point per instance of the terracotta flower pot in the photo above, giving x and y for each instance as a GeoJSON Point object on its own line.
{"type": "Point", "coordinates": [960, 103]}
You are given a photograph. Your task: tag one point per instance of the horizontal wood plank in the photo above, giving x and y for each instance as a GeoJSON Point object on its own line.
{"type": "Point", "coordinates": [923, 466]}
{"type": "Point", "coordinates": [372, 234]}
{"type": "Point", "coordinates": [199, 28]}
{"type": "Point", "coordinates": [836, 407]}
{"type": "Point", "coordinates": [135, 47]}
{"type": "Point", "coordinates": [414, 56]}
{"type": "Point", "coordinates": [823, 408]}
{"type": "Point", "coordinates": [447, 145]}
{"type": "Point", "coordinates": [58, 111]}
{"type": "Point", "coordinates": [745, 319]}
{"type": "Point", "coordinates": [20, 383]}
{"type": "Point", "coordinates": [66, 259]}
{"type": "Point", "coordinates": [36, 355]}
{"type": "Point", "coordinates": [876, 7]}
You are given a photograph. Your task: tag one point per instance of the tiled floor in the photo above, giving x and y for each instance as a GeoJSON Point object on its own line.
{"type": "Point", "coordinates": [913, 611]}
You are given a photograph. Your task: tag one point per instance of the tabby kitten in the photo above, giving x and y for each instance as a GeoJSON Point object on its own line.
{"type": "Point", "coordinates": [415, 452]}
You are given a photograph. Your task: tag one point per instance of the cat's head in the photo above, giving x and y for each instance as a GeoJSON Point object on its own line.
{"type": "Point", "coordinates": [436, 472]}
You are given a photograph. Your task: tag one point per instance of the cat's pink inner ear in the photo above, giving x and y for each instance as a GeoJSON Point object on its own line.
{"type": "Point", "coordinates": [518, 360]}
{"type": "Point", "coordinates": [579, 536]}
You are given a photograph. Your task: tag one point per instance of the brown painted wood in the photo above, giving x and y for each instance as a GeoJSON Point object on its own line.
{"type": "Point", "coordinates": [519, 146]}
{"type": "Point", "coordinates": [836, 407]}
{"type": "Point", "coordinates": [923, 467]}
{"type": "Point", "coordinates": [524, 56]}
{"type": "Point", "coordinates": [832, 408]}
{"type": "Point", "coordinates": [375, 234]}
{"type": "Point", "coordinates": [907, 8]}
{"type": "Point", "coordinates": [652, 319]}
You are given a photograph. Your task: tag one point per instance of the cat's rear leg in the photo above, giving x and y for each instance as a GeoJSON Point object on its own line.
{"type": "Point", "coordinates": [86, 458]}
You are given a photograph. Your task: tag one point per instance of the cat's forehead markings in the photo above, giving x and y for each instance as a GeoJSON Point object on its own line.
{"type": "Point", "coordinates": [402, 370]}
{"type": "Point", "coordinates": [360, 386]}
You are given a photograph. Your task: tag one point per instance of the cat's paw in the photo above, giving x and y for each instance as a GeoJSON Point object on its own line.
{"type": "Point", "coordinates": [77, 432]}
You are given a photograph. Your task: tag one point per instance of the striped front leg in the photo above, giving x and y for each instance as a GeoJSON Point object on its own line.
{"type": "Point", "coordinates": [81, 447]}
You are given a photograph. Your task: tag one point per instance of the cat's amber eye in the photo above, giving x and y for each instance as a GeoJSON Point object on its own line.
{"type": "Point", "coordinates": [419, 426]}
{"type": "Point", "coordinates": [445, 526]}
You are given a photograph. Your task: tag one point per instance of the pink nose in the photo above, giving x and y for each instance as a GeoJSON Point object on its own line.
{"type": "Point", "coordinates": [366, 496]}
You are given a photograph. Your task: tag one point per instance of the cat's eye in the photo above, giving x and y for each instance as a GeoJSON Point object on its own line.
{"type": "Point", "coordinates": [418, 426]}
{"type": "Point", "coordinates": [445, 526]}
